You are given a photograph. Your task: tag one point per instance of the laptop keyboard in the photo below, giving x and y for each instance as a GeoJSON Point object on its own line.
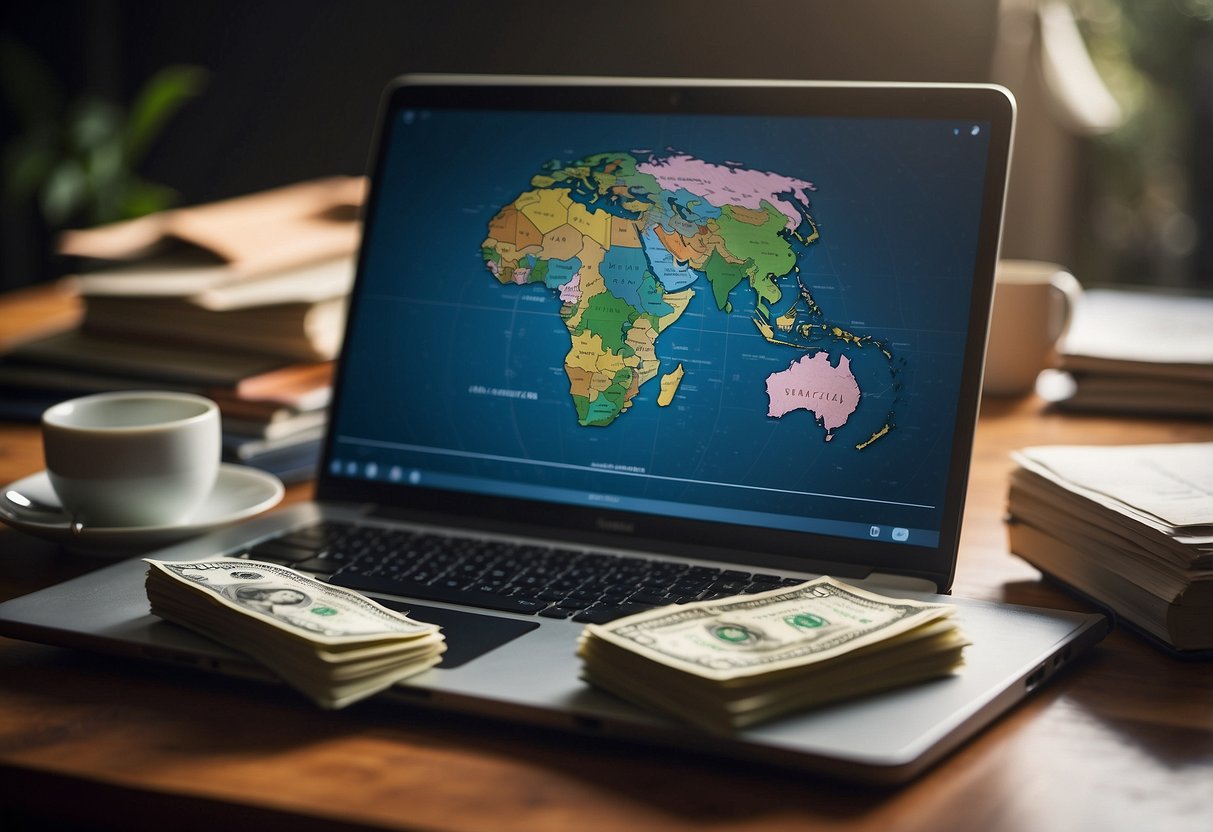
{"type": "Point", "coordinates": [552, 582]}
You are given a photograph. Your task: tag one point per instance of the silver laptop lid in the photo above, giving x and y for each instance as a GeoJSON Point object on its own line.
{"type": "Point", "coordinates": [743, 320]}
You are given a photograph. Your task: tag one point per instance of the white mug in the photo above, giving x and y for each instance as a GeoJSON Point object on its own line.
{"type": "Point", "coordinates": [1033, 304]}
{"type": "Point", "coordinates": [132, 458]}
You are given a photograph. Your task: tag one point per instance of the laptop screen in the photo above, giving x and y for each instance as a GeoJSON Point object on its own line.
{"type": "Point", "coordinates": [713, 316]}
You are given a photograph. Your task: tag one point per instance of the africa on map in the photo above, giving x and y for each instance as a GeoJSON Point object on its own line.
{"type": "Point", "coordinates": [626, 239]}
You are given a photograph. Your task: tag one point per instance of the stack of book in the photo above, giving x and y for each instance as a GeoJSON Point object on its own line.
{"type": "Point", "coordinates": [1136, 352]}
{"type": "Point", "coordinates": [1129, 527]}
{"type": "Point", "coordinates": [241, 300]}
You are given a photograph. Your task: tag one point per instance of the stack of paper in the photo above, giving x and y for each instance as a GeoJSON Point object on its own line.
{"type": "Point", "coordinates": [333, 645]}
{"type": "Point", "coordinates": [1136, 352]}
{"type": "Point", "coordinates": [733, 662]}
{"type": "Point", "coordinates": [276, 420]}
{"type": "Point", "coordinates": [205, 299]}
{"type": "Point", "coordinates": [297, 314]}
{"type": "Point", "coordinates": [264, 273]}
{"type": "Point", "coordinates": [1130, 527]}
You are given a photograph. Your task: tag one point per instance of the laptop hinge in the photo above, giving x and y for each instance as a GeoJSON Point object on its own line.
{"type": "Point", "coordinates": [885, 581]}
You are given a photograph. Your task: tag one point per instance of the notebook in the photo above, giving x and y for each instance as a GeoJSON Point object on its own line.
{"type": "Point", "coordinates": [729, 331]}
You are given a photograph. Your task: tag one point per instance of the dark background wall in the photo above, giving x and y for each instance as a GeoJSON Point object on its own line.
{"type": "Point", "coordinates": [294, 86]}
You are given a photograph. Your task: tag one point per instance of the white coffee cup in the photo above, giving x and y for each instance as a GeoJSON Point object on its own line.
{"type": "Point", "coordinates": [132, 459]}
{"type": "Point", "coordinates": [1033, 304]}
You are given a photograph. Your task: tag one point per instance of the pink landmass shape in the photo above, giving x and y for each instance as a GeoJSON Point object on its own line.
{"type": "Point", "coordinates": [720, 185]}
{"type": "Point", "coordinates": [812, 383]}
{"type": "Point", "coordinates": [571, 292]}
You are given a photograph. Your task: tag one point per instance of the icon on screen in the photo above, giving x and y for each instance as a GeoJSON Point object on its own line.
{"type": "Point", "coordinates": [901, 534]}
{"type": "Point", "coordinates": [874, 531]}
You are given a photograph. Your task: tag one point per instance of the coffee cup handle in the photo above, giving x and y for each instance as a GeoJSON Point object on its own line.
{"type": "Point", "coordinates": [1068, 291]}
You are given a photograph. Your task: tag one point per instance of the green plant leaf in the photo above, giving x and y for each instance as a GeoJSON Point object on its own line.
{"type": "Point", "coordinates": [93, 122]}
{"type": "Point", "coordinates": [161, 97]}
{"type": "Point", "coordinates": [144, 197]}
{"type": "Point", "coordinates": [78, 157]}
{"type": "Point", "coordinates": [65, 192]}
{"type": "Point", "coordinates": [107, 177]}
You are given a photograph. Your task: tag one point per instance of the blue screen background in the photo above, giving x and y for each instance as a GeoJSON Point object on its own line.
{"type": "Point", "coordinates": [453, 380]}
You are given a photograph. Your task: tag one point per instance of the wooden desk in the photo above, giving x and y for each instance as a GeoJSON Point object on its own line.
{"type": "Point", "coordinates": [1124, 740]}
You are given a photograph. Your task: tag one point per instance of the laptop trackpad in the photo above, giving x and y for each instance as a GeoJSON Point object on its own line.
{"type": "Point", "coordinates": [468, 634]}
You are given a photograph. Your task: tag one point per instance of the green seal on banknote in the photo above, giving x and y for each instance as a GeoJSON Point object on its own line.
{"type": "Point", "coordinates": [805, 621]}
{"type": "Point", "coordinates": [734, 633]}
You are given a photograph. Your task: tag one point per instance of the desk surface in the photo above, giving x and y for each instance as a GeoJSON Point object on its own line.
{"type": "Point", "coordinates": [1123, 740]}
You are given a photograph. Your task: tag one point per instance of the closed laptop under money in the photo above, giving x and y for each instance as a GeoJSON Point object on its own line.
{"type": "Point", "coordinates": [615, 344]}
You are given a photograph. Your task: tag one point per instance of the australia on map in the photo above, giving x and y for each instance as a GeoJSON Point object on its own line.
{"type": "Point", "coordinates": [626, 239]}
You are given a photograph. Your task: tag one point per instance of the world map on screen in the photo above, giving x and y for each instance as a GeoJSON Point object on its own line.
{"type": "Point", "coordinates": [626, 240]}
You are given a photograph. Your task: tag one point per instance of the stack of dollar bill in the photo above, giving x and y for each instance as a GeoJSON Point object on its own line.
{"type": "Point", "coordinates": [333, 645]}
{"type": "Point", "coordinates": [734, 662]}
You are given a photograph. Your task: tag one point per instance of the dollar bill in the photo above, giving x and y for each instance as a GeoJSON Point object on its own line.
{"type": "Point", "coordinates": [734, 662]}
{"type": "Point", "coordinates": [292, 601]}
{"type": "Point", "coordinates": [766, 632]}
{"type": "Point", "coordinates": [334, 645]}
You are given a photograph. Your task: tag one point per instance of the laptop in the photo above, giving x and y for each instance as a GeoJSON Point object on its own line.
{"type": "Point", "coordinates": [691, 338]}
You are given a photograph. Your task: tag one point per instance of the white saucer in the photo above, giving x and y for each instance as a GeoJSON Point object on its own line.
{"type": "Point", "coordinates": [239, 492]}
